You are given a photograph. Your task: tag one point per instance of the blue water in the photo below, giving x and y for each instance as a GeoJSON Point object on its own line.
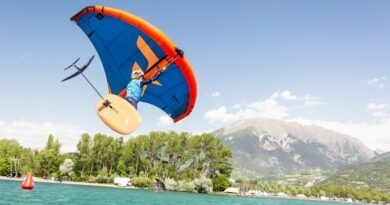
{"type": "Point", "coordinates": [44, 193]}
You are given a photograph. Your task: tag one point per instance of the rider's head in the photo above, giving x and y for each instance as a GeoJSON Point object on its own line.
{"type": "Point", "coordinates": [137, 74]}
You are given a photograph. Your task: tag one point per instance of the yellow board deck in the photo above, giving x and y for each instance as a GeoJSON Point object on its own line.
{"type": "Point", "coordinates": [119, 115]}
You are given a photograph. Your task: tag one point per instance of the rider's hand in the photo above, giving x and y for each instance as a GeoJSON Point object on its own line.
{"type": "Point", "coordinates": [163, 69]}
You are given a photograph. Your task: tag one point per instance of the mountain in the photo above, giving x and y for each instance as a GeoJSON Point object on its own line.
{"type": "Point", "coordinates": [373, 173]}
{"type": "Point", "coordinates": [378, 151]}
{"type": "Point", "coordinates": [263, 147]}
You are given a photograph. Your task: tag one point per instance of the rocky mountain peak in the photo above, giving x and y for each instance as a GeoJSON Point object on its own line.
{"type": "Point", "coordinates": [262, 145]}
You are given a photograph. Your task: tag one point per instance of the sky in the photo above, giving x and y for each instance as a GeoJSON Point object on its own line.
{"type": "Point", "coordinates": [323, 63]}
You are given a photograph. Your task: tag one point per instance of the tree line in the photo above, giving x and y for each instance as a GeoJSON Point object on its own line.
{"type": "Point", "coordinates": [327, 190]}
{"type": "Point", "coordinates": [99, 158]}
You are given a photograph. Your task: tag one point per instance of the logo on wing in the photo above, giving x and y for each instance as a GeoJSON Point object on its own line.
{"type": "Point", "coordinates": [150, 57]}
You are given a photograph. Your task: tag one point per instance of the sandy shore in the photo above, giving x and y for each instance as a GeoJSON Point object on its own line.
{"type": "Point", "coordinates": [37, 179]}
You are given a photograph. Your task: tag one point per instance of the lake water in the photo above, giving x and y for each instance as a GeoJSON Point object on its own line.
{"type": "Point", "coordinates": [44, 193]}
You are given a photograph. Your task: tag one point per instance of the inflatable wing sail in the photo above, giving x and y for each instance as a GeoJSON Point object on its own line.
{"type": "Point", "coordinates": [126, 43]}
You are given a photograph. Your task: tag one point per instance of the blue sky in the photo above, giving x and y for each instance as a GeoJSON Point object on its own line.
{"type": "Point", "coordinates": [316, 62]}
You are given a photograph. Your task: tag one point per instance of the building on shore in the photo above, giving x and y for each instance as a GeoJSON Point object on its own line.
{"type": "Point", "coordinates": [301, 196]}
{"type": "Point", "coordinates": [257, 193]}
{"type": "Point", "coordinates": [122, 182]}
{"type": "Point", "coordinates": [232, 190]}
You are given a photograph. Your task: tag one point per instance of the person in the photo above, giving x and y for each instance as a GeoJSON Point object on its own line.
{"type": "Point", "coordinates": [134, 88]}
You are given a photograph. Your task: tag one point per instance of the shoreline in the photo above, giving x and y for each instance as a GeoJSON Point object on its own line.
{"type": "Point", "coordinates": [49, 181]}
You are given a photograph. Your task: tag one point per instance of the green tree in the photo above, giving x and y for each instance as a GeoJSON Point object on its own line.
{"type": "Point", "coordinates": [53, 144]}
{"type": "Point", "coordinates": [85, 160]}
{"type": "Point", "coordinates": [121, 169]}
{"type": "Point", "coordinates": [211, 156]}
{"type": "Point", "coordinates": [220, 183]}
{"type": "Point", "coordinates": [179, 153]}
{"type": "Point", "coordinates": [48, 160]}
{"type": "Point", "coordinates": [10, 157]}
{"type": "Point", "coordinates": [27, 160]}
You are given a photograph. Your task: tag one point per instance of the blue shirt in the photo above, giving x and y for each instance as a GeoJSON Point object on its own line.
{"type": "Point", "coordinates": [134, 90]}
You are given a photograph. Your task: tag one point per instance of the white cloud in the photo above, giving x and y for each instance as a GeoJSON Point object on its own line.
{"type": "Point", "coordinates": [269, 108]}
{"type": "Point", "coordinates": [34, 135]}
{"type": "Point", "coordinates": [165, 120]}
{"type": "Point", "coordinates": [308, 100]}
{"type": "Point", "coordinates": [285, 95]}
{"type": "Point", "coordinates": [237, 106]}
{"type": "Point", "coordinates": [215, 94]}
{"type": "Point", "coordinates": [219, 115]}
{"type": "Point", "coordinates": [373, 106]}
{"type": "Point", "coordinates": [379, 110]}
{"type": "Point", "coordinates": [376, 82]}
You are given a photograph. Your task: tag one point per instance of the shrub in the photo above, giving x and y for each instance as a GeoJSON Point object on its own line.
{"type": "Point", "coordinates": [92, 179]}
{"type": "Point", "coordinates": [170, 184]}
{"type": "Point", "coordinates": [220, 183]}
{"type": "Point", "coordinates": [141, 182]}
{"type": "Point", "coordinates": [105, 180]}
{"type": "Point", "coordinates": [186, 186]}
{"type": "Point", "coordinates": [203, 185]}
{"type": "Point", "coordinates": [77, 178]}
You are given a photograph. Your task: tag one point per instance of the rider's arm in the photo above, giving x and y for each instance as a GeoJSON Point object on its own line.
{"type": "Point", "coordinates": [153, 78]}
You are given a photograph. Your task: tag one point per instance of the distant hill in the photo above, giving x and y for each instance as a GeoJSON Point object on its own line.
{"type": "Point", "coordinates": [265, 147]}
{"type": "Point", "coordinates": [373, 173]}
{"type": "Point", "coordinates": [384, 155]}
